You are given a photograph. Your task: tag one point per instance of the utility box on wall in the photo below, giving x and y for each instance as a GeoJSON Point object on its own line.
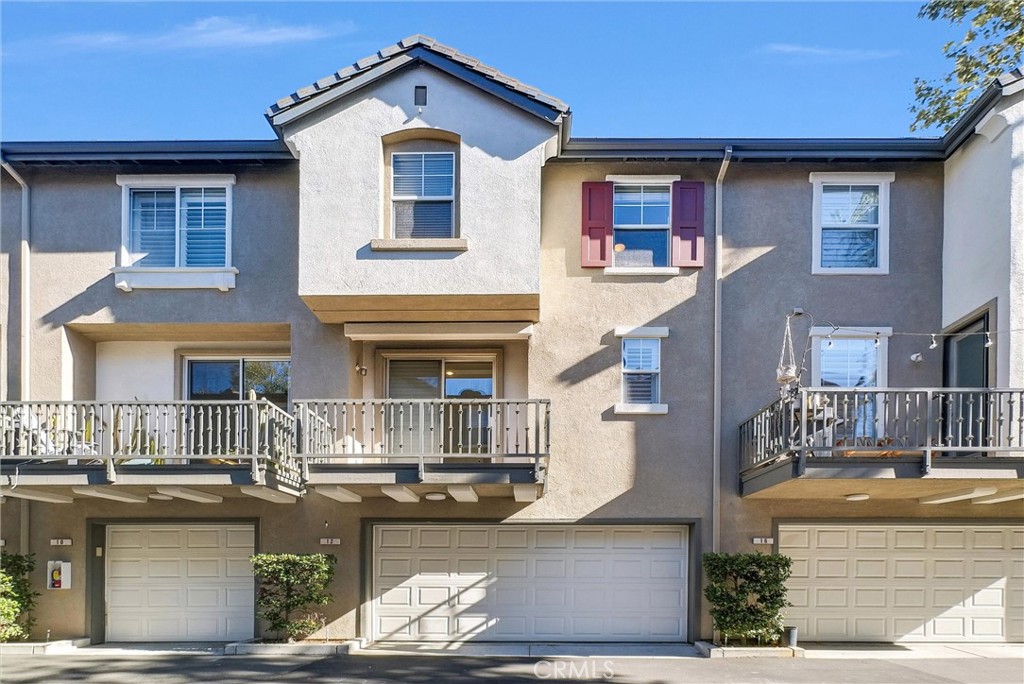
{"type": "Point", "coordinates": [58, 574]}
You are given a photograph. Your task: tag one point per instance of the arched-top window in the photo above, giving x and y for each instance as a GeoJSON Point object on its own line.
{"type": "Point", "coordinates": [421, 182]}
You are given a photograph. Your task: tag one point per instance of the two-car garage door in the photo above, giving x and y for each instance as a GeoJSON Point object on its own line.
{"type": "Point", "coordinates": [179, 582]}
{"type": "Point", "coordinates": [529, 582]}
{"type": "Point", "coordinates": [905, 582]}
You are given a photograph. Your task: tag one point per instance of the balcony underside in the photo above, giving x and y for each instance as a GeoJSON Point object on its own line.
{"type": "Point", "coordinates": [497, 474]}
{"type": "Point", "coordinates": [424, 308]}
{"type": "Point", "coordinates": [901, 477]}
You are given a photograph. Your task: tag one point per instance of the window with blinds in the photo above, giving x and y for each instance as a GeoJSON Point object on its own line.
{"type": "Point", "coordinates": [182, 227]}
{"type": "Point", "coordinates": [641, 370]}
{"type": "Point", "coordinates": [850, 223]}
{"type": "Point", "coordinates": [641, 219]}
{"type": "Point", "coordinates": [849, 226]}
{"type": "Point", "coordinates": [423, 194]}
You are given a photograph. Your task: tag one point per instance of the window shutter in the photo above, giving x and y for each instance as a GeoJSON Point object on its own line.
{"type": "Point", "coordinates": [688, 224]}
{"type": "Point", "coordinates": [597, 225]}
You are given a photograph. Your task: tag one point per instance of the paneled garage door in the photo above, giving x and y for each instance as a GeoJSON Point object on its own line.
{"type": "Point", "coordinates": [906, 582]}
{"type": "Point", "coordinates": [179, 582]}
{"type": "Point", "coordinates": [529, 583]}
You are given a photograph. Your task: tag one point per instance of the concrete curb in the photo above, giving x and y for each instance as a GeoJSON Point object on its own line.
{"type": "Point", "coordinates": [709, 650]}
{"type": "Point", "coordinates": [299, 648]}
{"type": "Point", "coordinates": [38, 648]}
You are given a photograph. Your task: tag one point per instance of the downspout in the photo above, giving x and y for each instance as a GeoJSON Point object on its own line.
{"type": "Point", "coordinates": [716, 444]}
{"type": "Point", "coordinates": [24, 269]}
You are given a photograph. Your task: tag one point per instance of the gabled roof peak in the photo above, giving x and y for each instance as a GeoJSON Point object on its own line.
{"type": "Point", "coordinates": [412, 44]}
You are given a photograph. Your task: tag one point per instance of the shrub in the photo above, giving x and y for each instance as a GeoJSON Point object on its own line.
{"type": "Point", "coordinates": [17, 600]}
{"type": "Point", "coordinates": [747, 592]}
{"type": "Point", "coordinates": [289, 585]}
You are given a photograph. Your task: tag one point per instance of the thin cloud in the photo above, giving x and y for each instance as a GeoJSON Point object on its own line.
{"type": "Point", "coordinates": [829, 54]}
{"type": "Point", "coordinates": [211, 33]}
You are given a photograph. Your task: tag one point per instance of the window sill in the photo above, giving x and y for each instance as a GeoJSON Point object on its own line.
{"type": "Point", "coordinates": [641, 409]}
{"type": "Point", "coordinates": [128, 279]}
{"type": "Point", "coordinates": [641, 270]}
{"type": "Point", "coordinates": [419, 245]}
{"type": "Point", "coordinates": [819, 270]}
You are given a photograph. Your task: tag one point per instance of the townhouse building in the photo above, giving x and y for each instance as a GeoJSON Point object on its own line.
{"type": "Point", "coordinates": [516, 381]}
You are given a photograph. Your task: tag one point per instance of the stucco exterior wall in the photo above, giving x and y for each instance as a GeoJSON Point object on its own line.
{"type": "Point", "coordinates": [76, 232]}
{"type": "Point", "coordinates": [343, 193]}
{"type": "Point", "coordinates": [620, 466]}
{"type": "Point", "coordinates": [983, 260]}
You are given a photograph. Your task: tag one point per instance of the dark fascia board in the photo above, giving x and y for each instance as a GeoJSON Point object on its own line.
{"type": "Point", "coordinates": [413, 57]}
{"type": "Point", "coordinates": [761, 149]}
{"type": "Point", "coordinates": [170, 151]}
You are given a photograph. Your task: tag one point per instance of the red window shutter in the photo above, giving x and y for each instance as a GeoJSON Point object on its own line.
{"type": "Point", "coordinates": [688, 224]}
{"type": "Point", "coordinates": [597, 225]}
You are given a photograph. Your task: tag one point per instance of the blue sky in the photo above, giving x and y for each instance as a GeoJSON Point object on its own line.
{"type": "Point", "coordinates": [177, 70]}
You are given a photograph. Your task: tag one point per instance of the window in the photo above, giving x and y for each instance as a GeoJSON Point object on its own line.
{"type": "Point", "coordinates": [222, 426]}
{"type": "Point", "coordinates": [642, 225]}
{"type": "Point", "coordinates": [423, 195]}
{"type": "Point", "coordinates": [851, 223]}
{"type": "Point", "coordinates": [852, 359]}
{"type": "Point", "coordinates": [176, 232]}
{"type": "Point", "coordinates": [419, 423]}
{"type": "Point", "coordinates": [641, 370]}
{"type": "Point", "coordinates": [237, 378]}
{"type": "Point", "coordinates": [641, 219]}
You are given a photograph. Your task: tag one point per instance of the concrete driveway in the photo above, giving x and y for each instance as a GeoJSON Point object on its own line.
{"type": "Point", "coordinates": [839, 664]}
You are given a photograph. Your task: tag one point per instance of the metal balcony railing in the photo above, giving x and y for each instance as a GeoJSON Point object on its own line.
{"type": "Point", "coordinates": [255, 434]}
{"type": "Point", "coordinates": [828, 422]}
{"type": "Point", "coordinates": [348, 431]}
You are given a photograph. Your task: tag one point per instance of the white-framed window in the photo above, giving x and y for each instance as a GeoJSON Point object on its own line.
{"type": "Point", "coordinates": [642, 215]}
{"type": "Point", "coordinates": [851, 223]}
{"type": "Point", "coordinates": [177, 221]}
{"type": "Point", "coordinates": [845, 359]}
{"type": "Point", "coordinates": [423, 195]}
{"type": "Point", "coordinates": [176, 232]}
{"type": "Point", "coordinates": [641, 370]}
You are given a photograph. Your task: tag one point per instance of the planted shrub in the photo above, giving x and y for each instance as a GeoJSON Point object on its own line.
{"type": "Point", "coordinates": [17, 600]}
{"type": "Point", "coordinates": [289, 586]}
{"type": "Point", "coordinates": [747, 592]}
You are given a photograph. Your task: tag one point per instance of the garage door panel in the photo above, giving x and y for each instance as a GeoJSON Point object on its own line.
{"type": "Point", "coordinates": [942, 582]}
{"type": "Point", "coordinates": [530, 582]}
{"type": "Point", "coordinates": [179, 583]}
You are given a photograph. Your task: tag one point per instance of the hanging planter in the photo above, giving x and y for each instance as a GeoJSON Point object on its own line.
{"type": "Point", "coordinates": [788, 372]}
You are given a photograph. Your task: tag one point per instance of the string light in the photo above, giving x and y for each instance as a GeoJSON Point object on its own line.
{"type": "Point", "coordinates": [878, 340]}
{"type": "Point", "coordinates": [934, 344]}
{"type": "Point", "coordinates": [988, 340]}
{"type": "Point", "coordinates": [828, 340]}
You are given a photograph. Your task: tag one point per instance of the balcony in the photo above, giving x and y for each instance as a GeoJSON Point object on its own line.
{"type": "Point", "coordinates": [85, 444]}
{"type": "Point", "coordinates": [345, 448]}
{"type": "Point", "coordinates": [399, 447]}
{"type": "Point", "coordinates": [927, 435]}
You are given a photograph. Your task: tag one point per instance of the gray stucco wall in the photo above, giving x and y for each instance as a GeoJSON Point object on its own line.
{"type": "Point", "coordinates": [76, 232]}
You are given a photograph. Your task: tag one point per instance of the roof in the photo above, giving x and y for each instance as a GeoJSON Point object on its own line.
{"type": "Point", "coordinates": [148, 152]}
{"type": "Point", "coordinates": [417, 49]}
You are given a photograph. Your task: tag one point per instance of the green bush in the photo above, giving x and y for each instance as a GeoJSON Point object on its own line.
{"type": "Point", "coordinates": [290, 585]}
{"type": "Point", "coordinates": [747, 592]}
{"type": "Point", "coordinates": [17, 600]}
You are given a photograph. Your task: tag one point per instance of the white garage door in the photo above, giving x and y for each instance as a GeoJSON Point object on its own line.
{"type": "Point", "coordinates": [909, 582]}
{"type": "Point", "coordinates": [529, 583]}
{"type": "Point", "coordinates": [179, 582]}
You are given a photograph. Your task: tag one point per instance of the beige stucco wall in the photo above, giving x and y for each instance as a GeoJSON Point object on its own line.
{"type": "Point", "coordinates": [983, 260]}
{"type": "Point", "coordinates": [343, 194]}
